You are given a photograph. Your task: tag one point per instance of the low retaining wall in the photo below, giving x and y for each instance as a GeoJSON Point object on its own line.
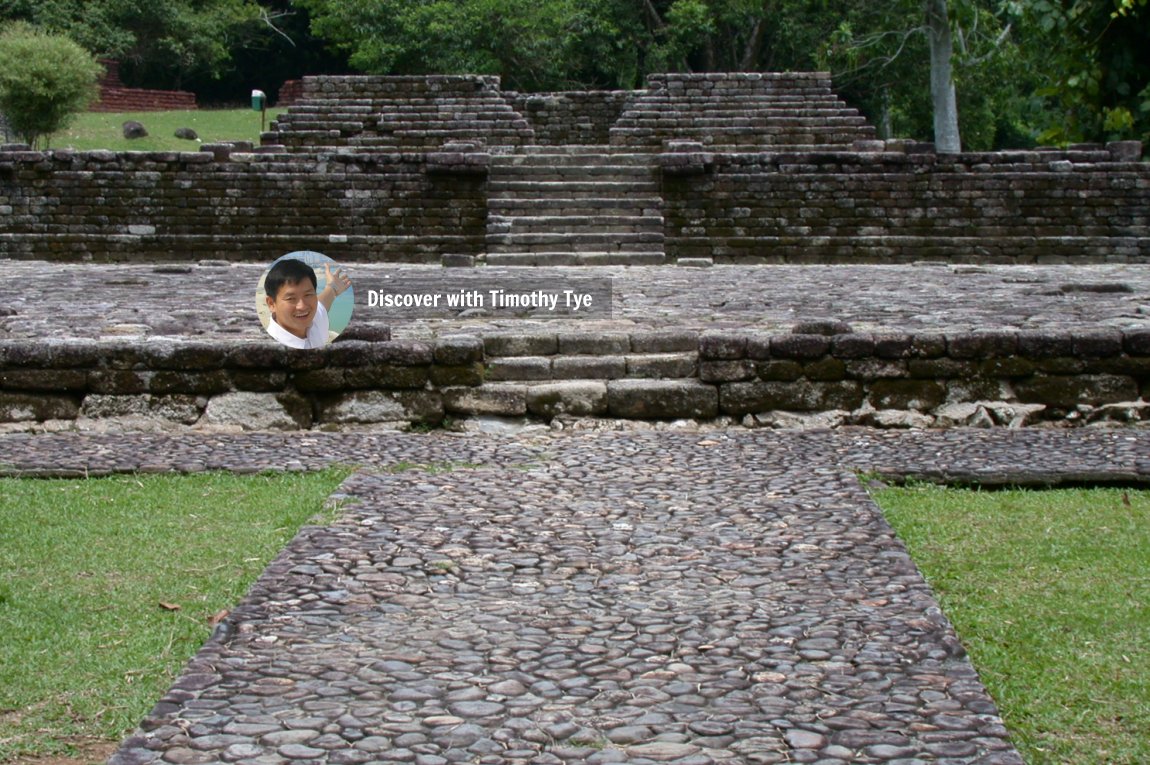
{"type": "Point", "coordinates": [889, 206]}
{"type": "Point", "coordinates": [573, 118]}
{"type": "Point", "coordinates": [228, 201]}
{"type": "Point", "coordinates": [783, 380]}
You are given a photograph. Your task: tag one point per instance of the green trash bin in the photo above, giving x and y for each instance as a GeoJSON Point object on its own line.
{"type": "Point", "coordinates": [259, 100]}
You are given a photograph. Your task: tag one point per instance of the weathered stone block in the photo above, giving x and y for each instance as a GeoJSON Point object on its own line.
{"type": "Point", "coordinates": [981, 345]}
{"type": "Point", "coordinates": [518, 368]}
{"type": "Point", "coordinates": [458, 350]}
{"type": "Point", "coordinates": [1010, 367]}
{"type": "Point", "coordinates": [1044, 345]}
{"type": "Point", "coordinates": [781, 370]}
{"type": "Point", "coordinates": [384, 376]}
{"type": "Point", "coordinates": [588, 367]}
{"type": "Point", "coordinates": [921, 395]}
{"type": "Point", "coordinates": [1098, 345]}
{"type": "Point", "coordinates": [802, 396]}
{"type": "Point", "coordinates": [941, 369]}
{"type": "Point", "coordinates": [893, 346]}
{"type": "Point", "coordinates": [594, 343]}
{"type": "Point", "coordinates": [825, 369]}
{"type": "Point", "coordinates": [665, 341]}
{"type": "Point", "coordinates": [1071, 391]}
{"type": "Point", "coordinates": [719, 346]}
{"type": "Point", "coordinates": [255, 411]}
{"type": "Point", "coordinates": [178, 408]}
{"type": "Point", "coordinates": [205, 382]}
{"type": "Point", "coordinates": [120, 381]}
{"type": "Point", "coordinates": [522, 344]}
{"type": "Point", "coordinates": [372, 406]}
{"type": "Point", "coordinates": [327, 379]}
{"type": "Point", "coordinates": [852, 346]}
{"type": "Point", "coordinates": [257, 380]}
{"type": "Point", "coordinates": [464, 374]}
{"type": "Point", "coordinates": [662, 365]}
{"type": "Point", "coordinates": [490, 399]}
{"type": "Point", "coordinates": [1137, 342]}
{"type": "Point", "coordinates": [1067, 365]}
{"type": "Point", "coordinates": [800, 347]}
{"type": "Point", "coordinates": [44, 379]}
{"type": "Point", "coordinates": [24, 407]}
{"type": "Point", "coordinates": [579, 398]}
{"type": "Point", "coordinates": [662, 399]}
{"type": "Point", "coordinates": [726, 371]}
{"type": "Point", "coordinates": [876, 369]}
{"type": "Point", "coordinates": [183, 356]}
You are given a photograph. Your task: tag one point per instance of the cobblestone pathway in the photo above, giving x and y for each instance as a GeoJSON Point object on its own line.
{"type": "Point", "coordinates": [722, 597]}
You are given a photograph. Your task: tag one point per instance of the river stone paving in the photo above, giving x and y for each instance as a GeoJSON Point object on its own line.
{"type": "Point", "coordinates": [720, 597]}
{"type": "Point", "coordinates": [216, 299]}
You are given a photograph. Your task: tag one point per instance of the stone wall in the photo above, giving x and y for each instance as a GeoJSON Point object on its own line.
{"type": "Point", "coordinates": [783, 380]}
{"type": "Point", "coordinates": [576, 118]}
{"type": "Point", "coordinates": [239, 205]}
{"type": "Point", "coordinates": [906, 205]}
{"type": "Point", "coordinates": [895, 205]}
{"type": "Point", "coordinates": [115, 97]}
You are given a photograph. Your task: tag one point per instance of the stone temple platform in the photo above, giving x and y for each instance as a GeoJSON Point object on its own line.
{"type": "Point", "coordinates": [216, 299]}
{"type": "Point", "coordinates": [728, 596]}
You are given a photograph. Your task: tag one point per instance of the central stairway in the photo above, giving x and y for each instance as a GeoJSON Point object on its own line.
{"type": "Point", "coordinates": [574, 205]}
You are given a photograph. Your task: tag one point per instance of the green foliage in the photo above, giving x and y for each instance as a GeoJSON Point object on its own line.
{"type": "Point", "coordinates": [162, 41]}
{"type": "Point", "coordinates": [44, 81]}
{"type": "Point", "coordinates": [1094, 52]}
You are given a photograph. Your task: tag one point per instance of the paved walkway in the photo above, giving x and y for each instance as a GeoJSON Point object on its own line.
{"type": "Point", "coordinates": [723, 597]}
{"type": "Point", "coordinates": [217, 299]}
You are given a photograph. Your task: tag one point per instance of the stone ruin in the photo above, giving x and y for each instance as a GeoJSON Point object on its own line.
{"type": "Point", "coordinates": [725, 168]}
{"type": "Point", "coordinates": [740, 169]}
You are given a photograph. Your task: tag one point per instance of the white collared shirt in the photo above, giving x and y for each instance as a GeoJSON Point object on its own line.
{"type": "Point", "coordinates": [316, 333]}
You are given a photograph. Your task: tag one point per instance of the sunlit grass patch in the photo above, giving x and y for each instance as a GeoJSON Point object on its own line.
{"type": "Point", "coordinates": [1050, 593]}
{"type": "Point", "coordinates": [109, 585]}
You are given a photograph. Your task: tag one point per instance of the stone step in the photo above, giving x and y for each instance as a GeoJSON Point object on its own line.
{"type": "Point", "coordinates": [642, 241]}
{"type": "Point", "coordinates": [738, 118]}
{"type": "Point", "coordinates": [568, 258]}
{"type": "Point", "coordinates": [575, 172]}
{"type": "Point", "coordinates": [573, 224]}
{"type": "Point", "coordinates": [538, 156]}
{"type": "Point", "coordinates": [587, 206]}
{"type": "Point", "coordinates": [506, 189]}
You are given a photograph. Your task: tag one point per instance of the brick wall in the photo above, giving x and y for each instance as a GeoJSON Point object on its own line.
{"type": "Point", "coordinates": [886, 380]}
{"type": "Point", "coordinates": [578, 118]}
{"type": "Point", "coordinates": [1031, 206]}
{"type": "Point", "coordinates": [218, 203]}
{"type": "Point", "coordinates": [115, 97]}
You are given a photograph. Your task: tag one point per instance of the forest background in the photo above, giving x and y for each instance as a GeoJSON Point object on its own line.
{"type": "Point", "coordinates": [1026, 72]}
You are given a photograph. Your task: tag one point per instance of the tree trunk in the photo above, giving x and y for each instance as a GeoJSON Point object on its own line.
{"type": "Point", "coordinates": [946, 138]}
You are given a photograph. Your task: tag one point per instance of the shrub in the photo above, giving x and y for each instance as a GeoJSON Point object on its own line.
{"type": "Point", "coordinates": [44, 80]}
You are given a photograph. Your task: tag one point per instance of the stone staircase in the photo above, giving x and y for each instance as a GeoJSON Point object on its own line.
{"type": "Point", "coordinates": [792, 111]}
{"type": "Point", "coordinates": [399, 113]}
{"type": "Point", "coordinates": [574, 205]}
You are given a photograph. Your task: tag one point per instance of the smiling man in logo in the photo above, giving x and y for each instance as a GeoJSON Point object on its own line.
{"type": "Point", "coordinates": [299, 312]}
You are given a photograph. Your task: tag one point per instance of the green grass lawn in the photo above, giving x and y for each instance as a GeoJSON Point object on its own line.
{"type": "Point", "coordinates": [109, 585]}
{"type": "Point", "coordinates": [100, 130]}
{"type": "Point", "coordinates": [1050, 593]}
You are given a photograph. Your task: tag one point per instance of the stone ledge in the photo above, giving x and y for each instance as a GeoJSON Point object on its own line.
{"type": "Point", "coordinates": [886, 380]}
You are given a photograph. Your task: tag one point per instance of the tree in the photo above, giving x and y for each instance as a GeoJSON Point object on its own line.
{"type": "Point", "coordinates": [1094, 52]}
{"type": "Point", "coordinates": [942, 95]}
{"type": "Point", "coordinates": [159, 42]}
{"type": "Point", "coordinates": [44, 80]}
